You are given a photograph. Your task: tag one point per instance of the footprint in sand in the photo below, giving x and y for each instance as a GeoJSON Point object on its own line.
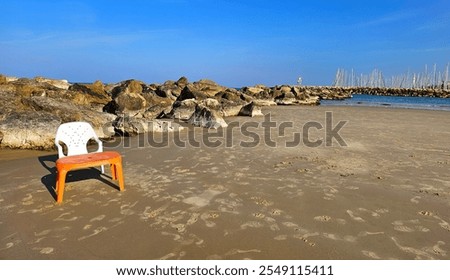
{"type": "Point", "coordinates": [330, 193]}
{"type": "Point", "coordinates": [444, 224]}
{"type": "Point", "coordinates": [206, 217]}
{"type": "Point", "coordinates": [322, 218]}
{"type": "Point", "coordinates": [337, 237]}
{"type": "Point", "coordinates": [98, 218]}
{"type": "Point", "coordinates": [95, 232]}
{"type": "Point", "coordinates": [261, 201]}
{"type": "Point", "coordinates": [303, 170]}
{"type": "Point", "coordinates": [150, 214]}
{"type": "Point", "coordinates": [282, 164]}
{"type": "Point", "coordinates": [426, 213]}
{"type": "Point", "coordinates": [47, 250]}
{"type": "Point", "coordinates": [370, 254]}
{"type": "Point", "coordinates": [8, 245]}
{"type": "Point", "coordinates": [409, 226]}
{"type": "Point", "coordinates": [181, 228]}
{"type": "Point", "coordinates": [437, 250]}
{"type": "Point", "coordinates": [281, 237]}
{"type": "Point", "coordinates": [193, 219]}
{"type": "Point", "coordinates": [252, 224]}
{"type": "Point", "coordinates": [305, 239]}
{"type": "Point", "coordinates": [276, 212]}
{"type": "Point", "coordinates": [259, 215]}
{"type": "Point", "coordinates": [28, 200]}
{"type": "Point", "coordinates": [354, 217]}
{"type": "Point", "coordinates": [42, 233]}
{"type": "Point", "coordinates": [423, 253]}
{"type": "Point", "coordinates": [62, 217]}
{"type": "Point", "coordinates": [126, 209]}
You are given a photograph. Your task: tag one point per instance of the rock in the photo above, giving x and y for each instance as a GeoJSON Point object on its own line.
{"type": "Point", "coordinates": [286, 101]}
{"type": "Point", "coordinates": [250, 110]}
{"type": "Point", "coordinates": [210, 103]}
{"type": "Point", "coordinates": [129, 126]}
{"type": "Point", "coordinates": [61, 84]}
{"type": "Point", "coordinates": [256, 90]}
{"type": "Point", "coordinates": [191, 92]}
{"type": "Point", "coordinates": [182, 110]}
{"type": "Point", "coordinates": [231, 102]}
{"type": "Point", "coordinates": [98, 87]}
{"type": "Point", "coordinates": [169, 90]}
{"type": "Point", "coordinates": [133, 98]}
{"type": "Point", "coordinates": [9, 100]}
{"type": "Point", "coordinates": [286, 90]}
{"type": "Point", "coordinates": [205, 117]}
{"type": "Point", "coordinates": [86, 95]}
{"type": "Point", "coordinates": [263, 103]}
{"type": "Point", "coordinates": [164, 126]}
{"type": "Point", "coordinates": [29, 130]}
{"type": "Point", "coordinates": [157, 111]}
{"type": "Point", "coordinates": [231, 95]}
{"type": "Point", "coordinates": [182, 82]}
{"type": "Point", "coordinates": [130, 103]}
{"type": "Point", "coordinates": [67, 112]}
{"type": "Point", "coordinates": [3, 79]}
{"type": "Point", "coordinates": [312, 100]}
{"type": "Point", "coordinates": [208, 87]}
{"type": "Point", "coordinates": [230, 110]}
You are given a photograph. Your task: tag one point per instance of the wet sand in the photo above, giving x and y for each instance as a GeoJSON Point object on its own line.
{"type": "Point", "coordinates": [386, 195]}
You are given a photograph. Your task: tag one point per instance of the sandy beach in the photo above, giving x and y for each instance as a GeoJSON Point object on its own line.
{"type": "Point", "coordinates": [383, 195]}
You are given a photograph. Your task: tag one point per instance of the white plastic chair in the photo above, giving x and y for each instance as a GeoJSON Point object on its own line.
{"type": "Point", "coordinates": [75, 135]}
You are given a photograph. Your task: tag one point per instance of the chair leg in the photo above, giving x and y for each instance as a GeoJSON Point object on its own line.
{"type": "Point", "coordinates": [113, 171]}
{"type": "Point", "coordinates": [103, 169]}
{"type": "Point", "coordinates": [61, 180]}
{"type": "Point", "coordinates": [119, 174]}
{"type": "Point", "coordinates": [57, 180]}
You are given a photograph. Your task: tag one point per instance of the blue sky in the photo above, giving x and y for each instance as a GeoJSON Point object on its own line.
{"type": "Point", "coordinates": [234, 43]}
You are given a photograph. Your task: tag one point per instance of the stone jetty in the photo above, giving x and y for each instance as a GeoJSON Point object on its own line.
{"type": "Point", "coordinates": [32, 109]}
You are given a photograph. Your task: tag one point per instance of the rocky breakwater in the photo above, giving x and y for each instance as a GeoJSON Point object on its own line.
{"type": "Point", "coordinates": [417, 92]}
{"type": "Point", "coordinates": [32, 109]}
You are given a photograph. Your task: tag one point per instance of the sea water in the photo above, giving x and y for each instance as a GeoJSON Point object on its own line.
{"type": "Point", "coordinates": [429, 103]}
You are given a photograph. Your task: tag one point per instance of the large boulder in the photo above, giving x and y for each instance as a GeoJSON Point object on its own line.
{"type": "Point", "coordinates": [255, 90]}
{"type": "Point", "coordinates": [127, 98]}
{"type": "Point", "coordinates": [191, 92]}
{"type": "Point", "coordinates": [67, 112]}
{"type": "Point", "coordinates": [129, 126]}
{"type": "Point", "coordinates": [182, 82]}
{"type": "Point", "coordinates": [182, 110]}
{"type": "Point", "coordinates": [208, 87]}
{"type": "Point", "coordinates": [134, 98]}
{"type": "Point", "coordinates": [94, 94]}
{"type": "Point", "coordinates": [206, 117]}
{"type": "Point", "coordinates": [157, 111]}
{"type": "Point", "coordinates": [61, 84]}
{"type": "Point", "coordinates": [250, 110]}
{"type": "Point", "coordinates": [29, 130]}
{"type": "Point", "coordinates": [171, 89]}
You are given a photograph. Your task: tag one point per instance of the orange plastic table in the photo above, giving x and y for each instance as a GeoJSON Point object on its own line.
{"type": "Point", "coordinates": [65, 164]}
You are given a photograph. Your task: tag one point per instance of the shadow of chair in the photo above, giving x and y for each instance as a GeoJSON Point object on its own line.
{"type": "Point", "coordinates": [49, 180]}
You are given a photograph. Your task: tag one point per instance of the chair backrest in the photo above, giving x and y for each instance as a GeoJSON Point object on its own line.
{"type": "Point", "coordinates": [75, 135]}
